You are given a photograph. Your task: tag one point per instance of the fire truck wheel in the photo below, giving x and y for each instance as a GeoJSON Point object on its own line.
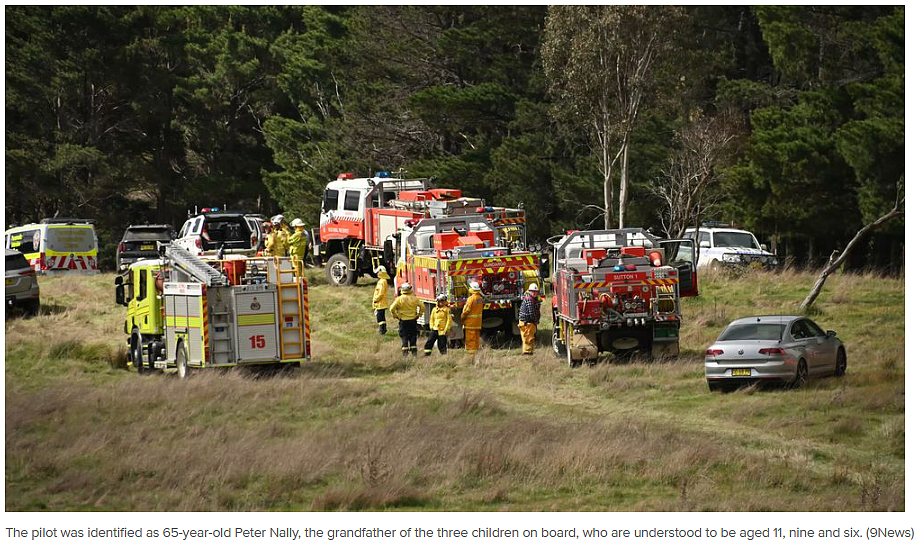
{"type": "Point", "coordinates": [337, 271]}
{"type": "Point", "coordinates": [182, 360]}
{"type": "Point", "coordinates": [137, 353]}
{"type": "Point", "coordinates": [558, 345]}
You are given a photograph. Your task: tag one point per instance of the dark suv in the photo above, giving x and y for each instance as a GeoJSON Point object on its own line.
{"type": "Point", "coordinates": [140, 242]}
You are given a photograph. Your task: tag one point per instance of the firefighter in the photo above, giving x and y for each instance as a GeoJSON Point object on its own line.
{"type": "Point", "coordinates": [298, 245]}
{"type": "Point", "coordinates": [471, 317]}
{"type": "Point", "coordinates": [440, 326]}
{"type": "Point", "coordinates": [407, 308]}
{"type": "Point", "coordinates": [266, 235]}
{"type": "Point", "coordinates": [381, 298]}
{"type": "Point", "coordinates": [529, 317]}
{"type": "Point", "coordinates": [276, 245]}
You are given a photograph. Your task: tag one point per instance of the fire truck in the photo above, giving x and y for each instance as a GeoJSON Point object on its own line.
{"type": "Point", "coordinates": [618, 292]}
{"type": "Point", "coordinates": [361, 220]}
{"type": "Point", "coordinates": [443, 255]}
{"type": "Point", "coordinates": [185, 311]}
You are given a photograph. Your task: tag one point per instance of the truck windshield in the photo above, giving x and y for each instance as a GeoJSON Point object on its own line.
{"type": "Point", "coordinates": [70, 239]}
{"type": "Point", "coordinates": [735, 239]}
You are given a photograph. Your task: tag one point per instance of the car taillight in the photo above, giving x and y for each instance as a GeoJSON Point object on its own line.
{"type": "Point", "coordinates": [26, 272]}
{"type": "Point", "coordinates": [121, 246]}
{"type": "Point", "coordinates": [714, 352]}
{"type": "Point", "coordinates": [198, 243]}
{"type": "Point", "coordinates": [771, 351]}
{"type": "Point", "coordinates": [253, 241]}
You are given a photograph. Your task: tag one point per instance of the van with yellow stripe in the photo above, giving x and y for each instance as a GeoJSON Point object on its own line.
{"type": "Point", "coordinates": [57, 245]}
{"type": "Point", "coordinates": [186, 312]}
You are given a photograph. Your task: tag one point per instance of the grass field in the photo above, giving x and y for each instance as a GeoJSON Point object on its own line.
{"type": "Point", "coordinates": [359, 427]}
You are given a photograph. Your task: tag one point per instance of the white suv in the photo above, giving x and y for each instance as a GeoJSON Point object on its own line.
{"type": "Point", "coordinates": [721, 245]}
{"type": "Point", "coordinates": [212, 229]}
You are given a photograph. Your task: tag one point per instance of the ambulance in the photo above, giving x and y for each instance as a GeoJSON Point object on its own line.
{"type": "Point", "coordinates": [57, 245]}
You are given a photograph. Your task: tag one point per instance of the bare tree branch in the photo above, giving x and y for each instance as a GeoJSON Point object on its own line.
{"type": "Point", "coordinates": [834, 263]}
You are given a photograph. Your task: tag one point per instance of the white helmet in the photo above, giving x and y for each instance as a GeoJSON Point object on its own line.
{"type": "Point", "coordinates": [297, 222]}
{"type": "Point", "coordinates": [406, 286]}
{"type": "Point", "coordinates": [277, 219]}
{"type": "Point", "coordinates": [533, 287]}
{"type": "Point", "coordinates": [442, 297]}
{"type": "Point", "coordinates": [474, 285]}
{"type": "Point", "coordinates": [380, 269]}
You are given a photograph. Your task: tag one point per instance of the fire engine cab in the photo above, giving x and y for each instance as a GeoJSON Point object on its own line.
{"type": "Point", "coordinates": [361, 221]}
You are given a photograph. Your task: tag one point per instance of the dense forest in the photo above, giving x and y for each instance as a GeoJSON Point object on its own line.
{"type": "Point", "coordinates": [787, 120]}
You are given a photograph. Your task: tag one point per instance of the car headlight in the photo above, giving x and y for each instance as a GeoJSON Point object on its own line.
{"type": "Point", "coordinates": [731, 258]}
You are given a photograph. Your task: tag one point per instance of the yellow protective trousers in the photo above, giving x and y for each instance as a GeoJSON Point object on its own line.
{"type": "Point", "coordinates": [528, 336]}
{"type": "Point", "coordinates": [472, 340]}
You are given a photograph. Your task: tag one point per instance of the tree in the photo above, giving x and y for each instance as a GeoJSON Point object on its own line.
{"type": "Point", "coordinates": [688, 189]}
{"type": "Point", "coordinates": [600, 61]}
{"type": "Point", "coordinates": [836, 261]}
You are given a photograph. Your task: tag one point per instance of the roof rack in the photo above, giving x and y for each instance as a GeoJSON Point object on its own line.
{"type": "Point", "coordinates": [715, 224]}
{"type": "Point", "coordinates": [67, 221]}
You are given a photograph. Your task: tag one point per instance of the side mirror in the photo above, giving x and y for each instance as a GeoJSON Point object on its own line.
{"type": "Point", "coordinates": [831, 333]}
{"type": "Point", "coordinates": [119, 292]}
{"type": "Point", "coordinates": [544, 266]}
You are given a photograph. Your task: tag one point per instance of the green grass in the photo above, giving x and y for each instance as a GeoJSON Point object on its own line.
{"type": "Point", "coordinates": [359, 427]}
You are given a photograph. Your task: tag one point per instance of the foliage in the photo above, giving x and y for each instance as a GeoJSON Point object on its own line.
{"type": "Point", "coordinates": [138, 113]}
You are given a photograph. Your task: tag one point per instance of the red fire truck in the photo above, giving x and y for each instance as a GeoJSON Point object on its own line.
{"type": "Point", "coordinates": [361, 220]}
{"type": "Point", "coordinates": [445, 254]}
{"type": "Point", "coordinates": [618, 292]}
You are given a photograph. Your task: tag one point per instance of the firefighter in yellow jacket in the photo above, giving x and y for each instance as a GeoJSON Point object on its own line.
{"type": "Point", "coordinates": [298, 245]}
{"type": "Point", "coordinates": [440, 326]}
{"type": "Point", "coordinates": [407, 308]}
{"type": "Point", "coordinates": [381, 298]}
{"type": "Point", "coordinates": [471, 317]}
{"type": "Point", "coordinates": [276, 244]}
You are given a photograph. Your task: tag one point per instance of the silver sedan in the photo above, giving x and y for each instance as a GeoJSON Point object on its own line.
{"type": "Point", "coordinates": [787, 349]}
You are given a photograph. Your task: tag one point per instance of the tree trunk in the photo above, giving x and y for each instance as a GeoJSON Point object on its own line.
{"type": "Point", "coordinates": [624, 183]}
{"type": "Point", "coordinates": [834, 263]}
{"type": "Point", "coordinates": [608, 202]}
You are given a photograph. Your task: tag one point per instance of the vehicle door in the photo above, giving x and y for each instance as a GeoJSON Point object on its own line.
{"type": "Point", "coordinates": [805, 342]}
{"type": "Point", "coordinates": [681, 254]}
{"type": "Point", "coordinates": [826, 347]}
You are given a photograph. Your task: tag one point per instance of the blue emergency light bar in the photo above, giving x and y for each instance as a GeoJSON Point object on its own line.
{"type": "Point", "coordinates": [383, 174]}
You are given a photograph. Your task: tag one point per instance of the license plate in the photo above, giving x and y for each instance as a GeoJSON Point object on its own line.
{"type": "Point", "coordinates": [736, 372]}
{"type": "Point", "coordinates": [146, 248]}
{"type": "Point", "coordinates": [9, 282]}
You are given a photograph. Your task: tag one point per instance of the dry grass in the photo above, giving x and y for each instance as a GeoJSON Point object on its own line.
{"type": "Point", "coordinates": [360, 427]}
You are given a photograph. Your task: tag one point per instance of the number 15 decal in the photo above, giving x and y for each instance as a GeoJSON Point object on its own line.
{"type": "Point", "coordinates": [257, 341]}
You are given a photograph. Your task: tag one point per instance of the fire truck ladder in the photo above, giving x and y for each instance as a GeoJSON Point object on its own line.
{"type": "Point", "coordinates": [194, 267]}
{"type": "Point", "coordinates": [290, 306]}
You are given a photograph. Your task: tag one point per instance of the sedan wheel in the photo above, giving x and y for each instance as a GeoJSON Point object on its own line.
{"type": "Point", "coordinates": [801, 374]}
{"type": "Point", "coordinates": [840, 367]}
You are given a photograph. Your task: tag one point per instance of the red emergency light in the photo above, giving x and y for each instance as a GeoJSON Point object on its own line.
{"type": "Point", "coordinates": [345, 176]}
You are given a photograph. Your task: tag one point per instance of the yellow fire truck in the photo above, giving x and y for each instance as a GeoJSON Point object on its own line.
{"type": "Point", "coordinates": [185, 311]}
